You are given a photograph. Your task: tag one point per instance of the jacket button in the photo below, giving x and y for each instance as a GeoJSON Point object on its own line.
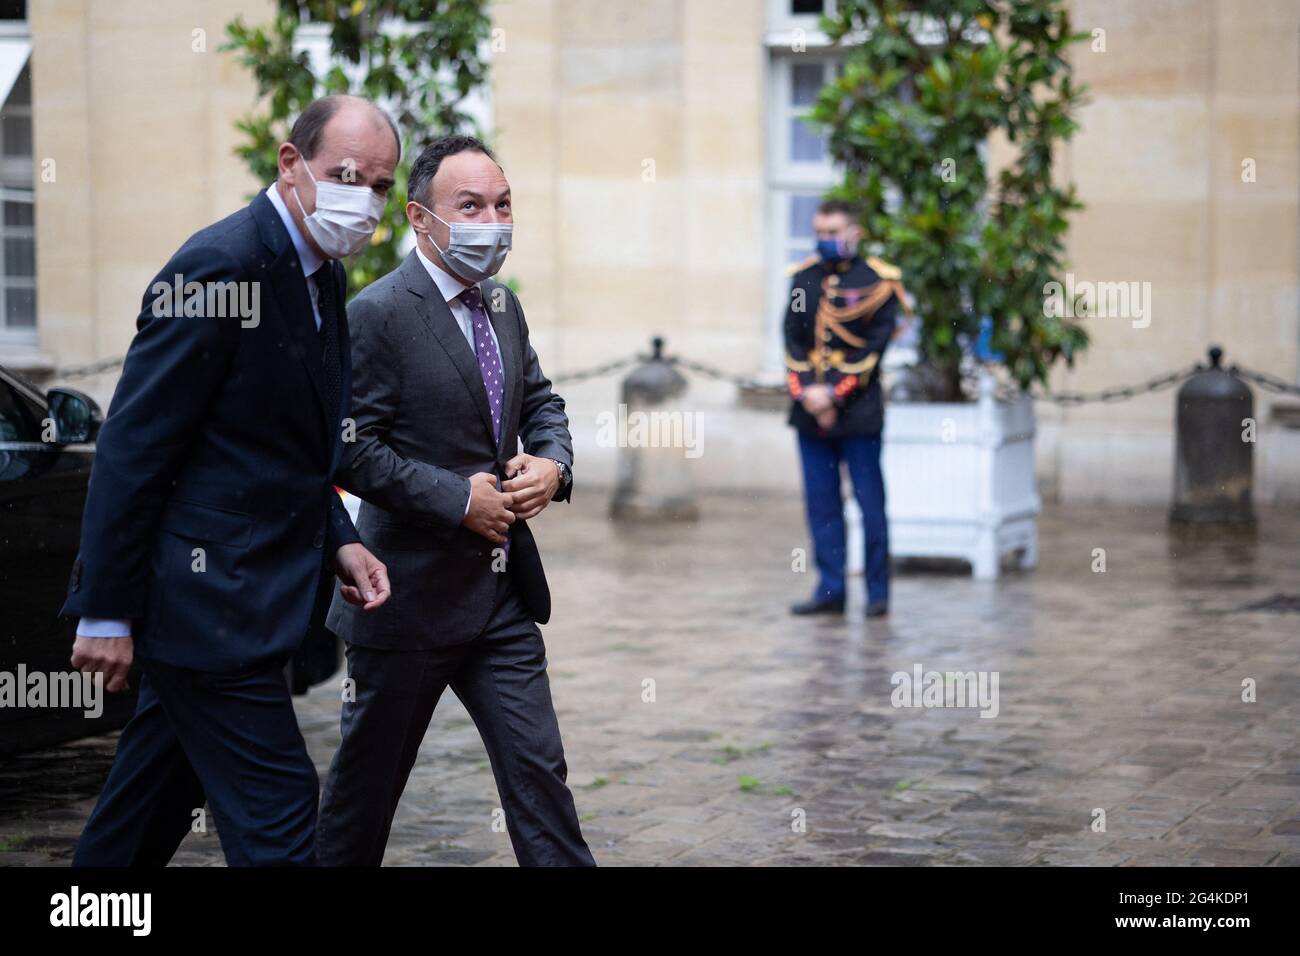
{"type": "Point", "coordinates": [319, 540]}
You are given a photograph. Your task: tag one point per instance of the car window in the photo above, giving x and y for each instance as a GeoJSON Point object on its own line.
{"type": "Point", "coordinates": [19, 421]}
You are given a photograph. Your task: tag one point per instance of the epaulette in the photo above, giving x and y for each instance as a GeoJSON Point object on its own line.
{"type": "Point", "coordinates": [797, 267]}
{"type": "Point", "coordinates": [884, 269]}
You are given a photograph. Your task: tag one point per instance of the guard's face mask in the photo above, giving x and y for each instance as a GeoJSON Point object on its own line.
{"type": "Point", "coordinates": [834, 250]}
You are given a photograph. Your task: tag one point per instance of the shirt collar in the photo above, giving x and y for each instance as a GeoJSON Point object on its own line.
{"type": "Point", "coordinates": [311, 260]}
{"type": "Point", "coordinates": [447, 284]}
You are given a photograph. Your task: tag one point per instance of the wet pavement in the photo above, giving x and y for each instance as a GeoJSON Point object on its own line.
{"type": "Point", "coordinates": [704, 726]}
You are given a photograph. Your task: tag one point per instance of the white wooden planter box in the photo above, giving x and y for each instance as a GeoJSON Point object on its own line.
{"type": "Point", "coordinates": [959, 483]}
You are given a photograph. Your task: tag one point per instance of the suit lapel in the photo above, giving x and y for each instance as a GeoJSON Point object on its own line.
{"type": "Point", "coordinates": [290, 288]}
{"type": "Point", "coordinates": [436, 314]}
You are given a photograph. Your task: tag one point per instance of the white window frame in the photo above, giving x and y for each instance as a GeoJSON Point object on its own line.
{"type": "Point", "coordinates": [785, 28]}
{"type": "Point", "coordinates": [25, 336]}
{"type": "Point", "coordinates": [19, 335]}
{"type": "Point", "coordinates": [786, 179]}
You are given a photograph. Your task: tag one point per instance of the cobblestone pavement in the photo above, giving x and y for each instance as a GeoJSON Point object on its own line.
{"type": "Point", "coordinates": [1118, 691]}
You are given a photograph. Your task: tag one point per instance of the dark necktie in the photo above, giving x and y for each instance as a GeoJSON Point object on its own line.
{"type": "Point", "coordinates": [327, 303]}
{"type": "Point", "coordinates": [489, 359]}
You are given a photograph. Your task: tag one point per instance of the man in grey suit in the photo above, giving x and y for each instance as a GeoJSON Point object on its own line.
{"type": "Point", "coordinates": [445, 385]}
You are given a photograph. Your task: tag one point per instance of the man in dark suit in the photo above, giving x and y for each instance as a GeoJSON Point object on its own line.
{"type": "Point", "coordinates": [446, 386]}
{"type": "Point", "coordinates": [840, 318]}
{"type": "Point", "coordinates": [212, 532]}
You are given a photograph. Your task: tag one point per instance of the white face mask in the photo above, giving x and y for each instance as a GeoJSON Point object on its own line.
{"type": "Point", "coordinates": [475, 250]}
{"type": "Point", "coordinates": [345, 216]}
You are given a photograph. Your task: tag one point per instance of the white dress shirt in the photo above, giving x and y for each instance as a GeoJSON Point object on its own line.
{"type": "Point", "coordinates": [310, 262]}
{"type": "Point", "coordinates": [451, 288]}
{"type": "Point", "coordinates": [308, 258]}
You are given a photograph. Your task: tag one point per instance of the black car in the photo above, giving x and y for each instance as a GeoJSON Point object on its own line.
{"type": "Point", "coordinates": [46, 452]}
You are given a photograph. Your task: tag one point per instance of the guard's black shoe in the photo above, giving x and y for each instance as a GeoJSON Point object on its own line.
{"type": "Point", "coordinates": [818, 606]}
{"type": "Point", "coordinates": [878, 609]}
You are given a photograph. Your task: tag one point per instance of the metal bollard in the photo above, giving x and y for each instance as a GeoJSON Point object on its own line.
{"type": "Point", "coordinates": [654, 480]}
{"type": "Point", "coordinates": [1213, 461]}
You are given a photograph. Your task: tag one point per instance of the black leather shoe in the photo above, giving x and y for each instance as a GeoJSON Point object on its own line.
{"type": "Point", "coordinates": [878, 609]}
{"type": "Point", "coordinates": [818, 606]}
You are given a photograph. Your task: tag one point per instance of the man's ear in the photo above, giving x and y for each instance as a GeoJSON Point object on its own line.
{"type": "Point", "coordinates": [412, 211]}
{"type": "Point", "coordinates": [286, 161]}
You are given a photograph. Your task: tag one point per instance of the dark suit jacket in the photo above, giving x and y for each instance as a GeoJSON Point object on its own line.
{"type": "Point", "coordinates": [217, 439]}
{"type": "Point", "coordinates": [852, 365]}
{"type": "Point", "coordinates": [422, 428]}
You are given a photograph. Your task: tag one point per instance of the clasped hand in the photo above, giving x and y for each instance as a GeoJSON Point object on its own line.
{"type": "Point", "coordinates": [818, 402]}
{"type": "Point", "coordinates": [530, 484]}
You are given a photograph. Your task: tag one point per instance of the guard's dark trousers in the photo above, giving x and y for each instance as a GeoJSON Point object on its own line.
{"type": "Point", "coordinates": [824, 502]}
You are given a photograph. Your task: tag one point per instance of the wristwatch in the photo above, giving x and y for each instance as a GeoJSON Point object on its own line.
{"type": "Point", "coordinates": [566, 473]}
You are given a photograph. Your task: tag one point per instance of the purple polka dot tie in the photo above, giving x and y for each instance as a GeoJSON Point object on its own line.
{"type": "Point", "coordinates": [489, 364]}
{"type": "Point", "coordinates": [489, 360]}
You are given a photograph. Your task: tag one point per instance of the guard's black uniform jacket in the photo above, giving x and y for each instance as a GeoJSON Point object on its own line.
{"type": "Point", "coordinates": [838, 322]}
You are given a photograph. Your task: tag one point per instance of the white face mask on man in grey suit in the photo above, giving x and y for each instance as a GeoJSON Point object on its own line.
{"type": "Point", "coordinates": [476, 250]}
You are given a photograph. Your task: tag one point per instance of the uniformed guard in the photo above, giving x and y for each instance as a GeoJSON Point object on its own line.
{"type": "Point", "coordinates": [840, 318]}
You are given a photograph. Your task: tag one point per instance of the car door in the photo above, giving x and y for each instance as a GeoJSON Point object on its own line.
{"type": "Point", "coordinates": [42, 494]}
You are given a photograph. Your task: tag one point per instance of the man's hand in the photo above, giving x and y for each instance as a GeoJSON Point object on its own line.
{"type": "Point", "coordinates": [826, 418]}
{"type": "Point", "coordinates": [816, 399]}
{"type": "Point", "coordinates": [489, 512]}
{"type": "Point", "coordinates": [110, 656]}
{"type": "Point", "coordinates": [532, 484]}
{"type": "Point", "coordinates": [364, 577]}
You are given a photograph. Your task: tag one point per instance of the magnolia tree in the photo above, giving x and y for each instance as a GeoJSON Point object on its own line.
{"type": "Point", "coordinates": [925, 85]}
{"type": "Point", "coordinates": [419, 59]}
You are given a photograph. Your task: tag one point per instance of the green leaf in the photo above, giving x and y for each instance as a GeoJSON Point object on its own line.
{"type": "Point", "coordinates": [967, 248]}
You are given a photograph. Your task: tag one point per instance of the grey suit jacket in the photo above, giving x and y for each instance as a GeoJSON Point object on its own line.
{"type": "Point", "coordinates": [422, 428]}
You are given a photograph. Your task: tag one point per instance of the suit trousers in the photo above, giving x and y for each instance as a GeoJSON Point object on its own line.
{"type": "Point", "coordinates": [230, 740]}
{"type": "Point", "coordinates": [500, 677]}
{"type": "Point", "coordinates": [824, 501]}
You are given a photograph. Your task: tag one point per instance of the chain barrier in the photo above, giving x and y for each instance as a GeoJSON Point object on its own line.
{"type": "Point", "coordinates": [1004, 390]}
{"type": "Point", "coordinates": [571, 378]}
{"type": "Point", "coordinates": [1009, 392]}
{"type": "Point", "coordinates": [94, 368]}
{"type": "Point", "coordinates": [740, 381]}
{"type": "Point", "coordinates": [1269, 383]}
